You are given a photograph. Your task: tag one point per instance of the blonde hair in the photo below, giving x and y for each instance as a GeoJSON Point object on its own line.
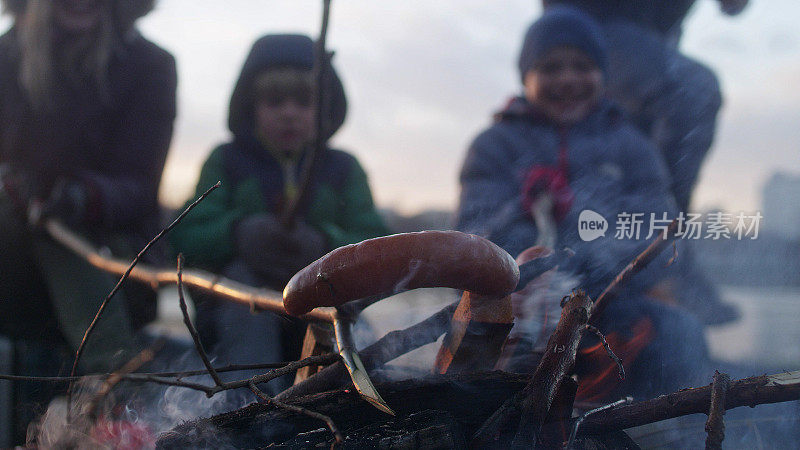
{"type": "Point", "coordinates": [79, 59]}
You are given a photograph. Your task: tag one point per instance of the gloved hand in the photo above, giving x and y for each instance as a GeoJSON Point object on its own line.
{"type": "Point", "coordinates": [310, 245]}
{"type": "Point", "coordinates": [543, 180]}
{"type": "Point", "coordinates": [274, 252]}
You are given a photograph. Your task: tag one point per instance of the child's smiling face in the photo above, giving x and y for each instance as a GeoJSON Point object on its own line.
{"type": "Point", "coordinates": [566, 84]}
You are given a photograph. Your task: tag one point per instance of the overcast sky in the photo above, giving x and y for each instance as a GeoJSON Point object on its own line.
{"type": "Point", "coordinates": [423, 77]}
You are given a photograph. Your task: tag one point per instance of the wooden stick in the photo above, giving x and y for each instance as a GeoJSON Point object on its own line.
{"type": "Point", "coordinates": [320, 140]}
{"type": "Point", "coordinates": [533, 402]}
{"type": "Point", "coordinates": [639, 262]}
{"type": "Point", "coordinates": [190, 326]}
{"type": "Point", "coordinates": [299, 410]}
{"type": "Point", "coordinates": [385, 349]}
{"type": "Point", "coordinates": [221, 287]}
{"type": "Point", "coordinates": [715, 425]}
{"type": "Point", "coordinates": [212, 390]}
{"type": "Point", "coordinates": [556, 364]}
{"type": "Point", "coordinates": [125, 275]}
{"type": "Point", "coordinates": [187, 373]}
{"type": "Point", "coordinates": [751, 391]}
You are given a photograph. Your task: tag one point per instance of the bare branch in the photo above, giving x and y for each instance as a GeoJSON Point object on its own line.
{"type": "Point", "coordinates": [179, 375]}
{"type": "Point", "coordinates": [610, 353]}
{"type": "Point", "coordinates": [258, 298]}
{"type": "Point", "coordinates": [192, 330]}
{"type": "Point", "coordinates": [100, 311]}
{"type": "Point", "coordinates": [533, 402]}
{"type": "Point", "coordinates": [639, 262]}
{"type": "Point", "coordinates": [298, 410]}
{"type": "Point", "coordinates": [715, 425]}
{"type": "Point", "coordinates": [781, 387]}
{"type": "Point", "coordinates": [312, 160]}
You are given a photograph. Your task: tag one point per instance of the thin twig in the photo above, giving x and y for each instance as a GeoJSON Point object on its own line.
{"type": "Point", "coordinates": [639, 262]}
{"type": "Point", "coordinates": [134, 364]}
{"type": "Point", "coordinates": [715, 425]}
{"type": "Point", "coordinates": [298, 410]}
{"type": "Point", "coordinates": [583, 417]}
{"type": "Point", "coordinates": [192, 330]}
{"type": "Point", "coordinates": [179, 375]}
{"type": "Point", "coordinates": [100, 311]}
{"type": "Point", "coordinates": [611, 354]}
{"type": "Point", "coordinates": [320, 69]}
{"type": "Point", "coordinates": [212, 390]}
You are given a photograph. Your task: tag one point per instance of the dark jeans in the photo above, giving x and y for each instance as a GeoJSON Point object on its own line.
{"type": "Point", "coordinates": [235, 335]}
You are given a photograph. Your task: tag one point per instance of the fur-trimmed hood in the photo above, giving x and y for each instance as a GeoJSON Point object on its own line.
{"type": "Point", "coordinates": [126, 12]}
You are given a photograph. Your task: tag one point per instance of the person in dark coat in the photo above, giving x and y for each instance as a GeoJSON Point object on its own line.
{"type": "Point", "coordinates": [237, 231]}
{"type": "Point", "coordinates": [87, 106]}
{"type": "Point", "coordinates": [673, 99]}
{"type": "Point", "coordinates": [563, 150]}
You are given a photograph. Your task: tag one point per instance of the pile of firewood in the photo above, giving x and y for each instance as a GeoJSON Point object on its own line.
{"type": "Point", "coordinates": [456, 410]}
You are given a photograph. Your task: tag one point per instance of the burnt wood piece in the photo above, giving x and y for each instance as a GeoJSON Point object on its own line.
{"type": "Point", "coordinates": [532, 404]}
{"type": "Point", "coordinates": [751, 391]}
{"type": "Point", "coordinates": [557, 363]}
{"type": "Point", "coordinates": [430, 429]}
{"type": "Point", "coordinates": [613, 440]}
{"type": "Point", "coordinates": [478, 330]}
{"type": "Point", "coordinates": [385, 349]}
{"type": "Point", "coordinates": [715, 425]}
{"type": "Point", "coordinates": [317, 341]}
{"type": "Point", "coordinates": [469, 398]}
{"type": "Point", "coordinates": [555, 430]}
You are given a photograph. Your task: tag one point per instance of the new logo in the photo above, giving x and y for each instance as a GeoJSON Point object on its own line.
{"type": "Point", "coordinates": [591, 225]}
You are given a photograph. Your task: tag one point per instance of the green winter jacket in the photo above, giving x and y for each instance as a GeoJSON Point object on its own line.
{"type": "Point", "coordinates": [340, 205]}
{"type": "Point", "coordinates": [340, 202]}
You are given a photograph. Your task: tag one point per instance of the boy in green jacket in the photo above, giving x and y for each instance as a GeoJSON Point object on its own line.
{"type": "Point", "coordinates": [236, 230]}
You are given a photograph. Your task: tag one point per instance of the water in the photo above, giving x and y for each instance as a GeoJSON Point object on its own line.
{"type": "Point", "coordinates": [767, 334]}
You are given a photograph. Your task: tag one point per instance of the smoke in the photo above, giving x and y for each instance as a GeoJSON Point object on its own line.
{"type": "Point", "coordinates": [399, 312]}
{"type": "Point", "coordinates": [133, 415]}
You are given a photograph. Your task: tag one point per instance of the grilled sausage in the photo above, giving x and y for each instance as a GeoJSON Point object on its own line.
{"type": "Point", "coordinates": [400, 262]}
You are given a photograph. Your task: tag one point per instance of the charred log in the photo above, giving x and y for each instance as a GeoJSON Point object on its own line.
{"type": "Point", "coordinates": [440, 411]}
{"type": "Point", "coordinates": [468, 398]}
{"type": "Point", "coordinates": [745, 392]}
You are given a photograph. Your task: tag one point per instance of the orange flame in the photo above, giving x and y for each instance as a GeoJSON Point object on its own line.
{"type": "Point", "coordinates": [602, 380]}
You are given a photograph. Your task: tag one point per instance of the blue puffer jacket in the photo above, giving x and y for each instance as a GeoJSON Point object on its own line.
{"type": "Point", "coordinates": [611, 168]}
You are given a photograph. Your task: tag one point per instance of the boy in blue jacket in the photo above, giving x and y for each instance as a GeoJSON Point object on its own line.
{"type": "Point", "coordinates": [559, 150]}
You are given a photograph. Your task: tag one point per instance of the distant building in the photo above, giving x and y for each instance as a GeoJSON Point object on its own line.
{"type": "Point", "coordinates": [781, 205]}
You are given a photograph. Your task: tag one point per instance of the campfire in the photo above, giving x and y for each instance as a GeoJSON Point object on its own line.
{"type": "Point", "coordinates": [463, 403]}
